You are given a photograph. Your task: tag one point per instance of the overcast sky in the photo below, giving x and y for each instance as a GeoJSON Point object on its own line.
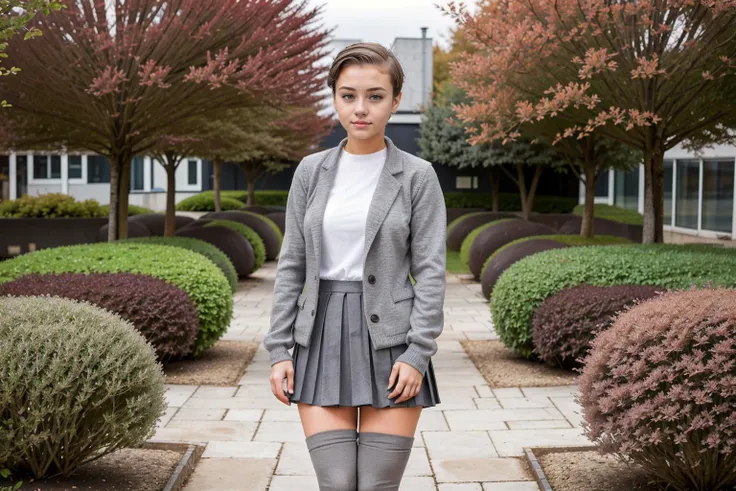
{"type": "Point", "coordinates": [383, 20]}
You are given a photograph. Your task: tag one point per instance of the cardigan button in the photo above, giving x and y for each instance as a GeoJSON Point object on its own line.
{"type": "Point", "coordinates": [374, 318]}
{"type": "Point", "coordinates": [371, 279]}
{"type": "Point", "coordinates": [313, 313]}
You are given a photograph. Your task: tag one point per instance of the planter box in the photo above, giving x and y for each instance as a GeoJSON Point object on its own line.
{"type": "Point", "coordinates": [22, 235]}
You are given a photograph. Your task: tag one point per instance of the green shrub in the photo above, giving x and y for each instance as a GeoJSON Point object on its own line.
{"type": "Point", "coordinates": [52, 205]}
{"type": "Point", "coordinates": [132, 210]}
{"type": "Point", "coordinates": [452, 224]}
{"type": "Point", "coordinates": [468, 241]}
{"type": "Point", "coordinates": [190, 271]}
{"type": "Point", "coordinates": [571, 240]}
{"type": "Point", "coordinates": [76, 383]}
{"type": "Point", "coordinates": [200, 202]}
{"type": "Point", "coordinates": [613, 213]}
{"type": "Point", "coordinates": [259, 248]}
{"type": "Point", "coordinates": [270, 223]}
{"type": "Point", "coordinates": [523, 286]}
{"type": "Point", "coordinates": [509, 202]}
{"type": "Point", "coordinates": [206, 249]}
{"type": "Point", "coordinates": [262, 198]}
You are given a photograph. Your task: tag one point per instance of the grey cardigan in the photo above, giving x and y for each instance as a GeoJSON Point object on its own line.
{"type": "Point", "coordinates": [405, 233]}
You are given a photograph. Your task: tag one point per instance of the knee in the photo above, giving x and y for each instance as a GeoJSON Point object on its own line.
{"type": "Point", "coordinates": [338, 478]}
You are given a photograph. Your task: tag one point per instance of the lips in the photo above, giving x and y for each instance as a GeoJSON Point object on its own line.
{"type": "Point", "coordinates": [361, 124]}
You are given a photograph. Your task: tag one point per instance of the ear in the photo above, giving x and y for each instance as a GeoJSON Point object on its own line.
{"type": "Point", "coordinates": [397, 101]}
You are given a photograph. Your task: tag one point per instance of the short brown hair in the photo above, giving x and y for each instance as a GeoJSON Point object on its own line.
{"type": "Point", "coordinates": [367, 54]}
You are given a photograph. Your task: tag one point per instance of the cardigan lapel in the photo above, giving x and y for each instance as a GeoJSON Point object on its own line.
{"type": "Point", "coordinates": [386, 191]}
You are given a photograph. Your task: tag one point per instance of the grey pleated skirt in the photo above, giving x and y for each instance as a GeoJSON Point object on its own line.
{"type": "Point", "coordinates": [341, 367]}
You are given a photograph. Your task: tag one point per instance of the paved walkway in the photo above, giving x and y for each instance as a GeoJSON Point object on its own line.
{"type": "Point", "coordinates": [472, 441]}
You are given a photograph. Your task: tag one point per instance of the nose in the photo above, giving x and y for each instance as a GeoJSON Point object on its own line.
{"type": "Point", "coordinates": [360, 107]}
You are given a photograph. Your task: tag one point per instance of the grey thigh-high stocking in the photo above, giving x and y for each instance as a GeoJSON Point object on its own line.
{"type": "Point", "coordinates": [334, 457]}
{"type": "Point", "coordinates": [382, 459]}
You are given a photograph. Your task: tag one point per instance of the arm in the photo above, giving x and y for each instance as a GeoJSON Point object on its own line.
{"type": "Point", "coordinates": [290, 273]}
{"type": "Point", "coordinates": [428, 232]}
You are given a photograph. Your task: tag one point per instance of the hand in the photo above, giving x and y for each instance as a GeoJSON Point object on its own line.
{"type": "Point", "coordinates": [280, 371]}
{"type": "Point", "coordinates": [409, 381]}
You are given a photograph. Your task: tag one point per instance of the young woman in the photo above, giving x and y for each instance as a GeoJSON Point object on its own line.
{"type": "Point", "coordinates": [360, 219]}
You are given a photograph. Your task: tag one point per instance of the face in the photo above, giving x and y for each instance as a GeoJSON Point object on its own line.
{"type": "Point", "coordinates": [363, 101]}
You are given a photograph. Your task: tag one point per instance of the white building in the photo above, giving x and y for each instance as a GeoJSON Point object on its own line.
{"type": "Point", "coordinates": [87, 176]}
{"type": "Point", "coordinates": [698, 191]}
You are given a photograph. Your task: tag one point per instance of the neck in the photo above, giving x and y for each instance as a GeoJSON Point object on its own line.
{"type": "Point", "coordinates": [362, 147]}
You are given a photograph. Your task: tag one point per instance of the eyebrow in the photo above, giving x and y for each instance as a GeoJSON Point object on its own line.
{"type": "Point", "coordinates": [369, 90]}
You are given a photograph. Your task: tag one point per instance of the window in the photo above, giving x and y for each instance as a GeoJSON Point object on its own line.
{"type": "Point", "coordinates": [136, 174]}
{"type": "Point", "coordinates": [192, 174]}
{"type": "Point", "coordinates": [688, 181]}
{"type": "Point", "coordinates": [601, 188]}
{"type": "Point", "coordinates": [718, 182]}
{"type": "Point", "coordinates": [466, 182]}
{"type": "Point", "coordinates": [75, 167]}
{"type": "Point", "coordinates": [98, 169]}
{"type": "Point", "coordinates": [668, 174]}
{"type": "Point", "coordinates": [40, 166]}
{"type": "Point", "coordinates": [626, 189]}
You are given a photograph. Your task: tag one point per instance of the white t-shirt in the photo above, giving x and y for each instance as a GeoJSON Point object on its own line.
{"type": "Point", "coordinates": [343, 226]}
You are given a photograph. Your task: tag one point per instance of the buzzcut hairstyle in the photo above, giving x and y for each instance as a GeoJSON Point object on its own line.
{"type": "Point", "coordinates": [367, 54]}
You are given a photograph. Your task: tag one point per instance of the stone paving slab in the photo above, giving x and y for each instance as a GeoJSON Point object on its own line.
{"type": "Point", "coordinates": [472, 441]}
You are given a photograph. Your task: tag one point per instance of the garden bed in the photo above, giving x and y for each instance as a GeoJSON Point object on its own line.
{"type": "Point", "coordinates": [502, 367]}
{"type": "Point", "coordinates": [576, 469]}
{"type": "Point", "coordinates": [159, 466]}
{"type": "Point", "coordinates": [223, 364]}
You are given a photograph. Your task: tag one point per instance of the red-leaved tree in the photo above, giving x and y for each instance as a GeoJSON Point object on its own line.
{"type": "Point", "coordinates": [111, 76]}
{"type": "Point", "coordinates": [649, 73]}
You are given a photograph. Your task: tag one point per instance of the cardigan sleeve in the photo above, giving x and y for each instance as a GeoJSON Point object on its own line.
{"type": "Point", "coordinates": [428, 246]}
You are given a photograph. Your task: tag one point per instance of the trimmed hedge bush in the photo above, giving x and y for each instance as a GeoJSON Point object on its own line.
{"type": "Point", "coordinates": [206, 249]}
{"type": "Point", "coordinates": [199, 202]}
{"type": "Point", "coordinates": [659, 389]}
{"type": "Point", "coordinates": [565, 323]}
{"type": "Point", "coordinates": [262, 198]}
{"type": "Point", "coordinates": [262, 225]}
{"type": "Point", "coordinates": [525, 285]}
{"type": "Point", "coordinates": [156, 222]}
{"type": "Point", "coordinates": [163, 313]}
{"type": "Point", "coordinates": [190, 271]}
{"type": "Point", "coordinates": [52, 205]}
{"type": "Point", "coordinates": [259, 249]}
{"type": "Point", "coordinates": [507, 255]}
{"type": "Point", "coordinates": [76, 383]}
{"type": "Point", "coordinates": [496, 236]}
{"type": "Point", "coordinates": [613, 213]}
{"type": "Point", "coordinates": [465, 248]}
{"type": "Point", "coordinates": [493, 268]}
{"type": "Point", "coordinates": [279, 218]}
{"type": "Point", "coordinates": [133, 210]}
{"type": "Point", "coordinates": [135, 230]}
{"type": "Point", "coordinates": [509, 202]}
{"type": "Point", "coordinates": [459, 228]}
{"type": "Point", "coordinates": [233, 244]}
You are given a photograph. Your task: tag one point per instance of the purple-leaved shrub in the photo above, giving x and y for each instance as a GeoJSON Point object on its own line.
{"type": "Point", "coordinates": [565, 324]}
{"type": "Point", "coordinates": [659, 388]}
{"type": "Point", "coordinates": [161, 312]}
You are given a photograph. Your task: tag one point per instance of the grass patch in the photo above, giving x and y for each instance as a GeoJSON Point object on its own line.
{"type": "Point", "coordinates": [613, 213]}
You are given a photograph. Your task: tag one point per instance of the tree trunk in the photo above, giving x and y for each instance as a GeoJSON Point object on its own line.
{"type": "Point", "coordinates": [495, 178]}
{"type": "Point", "coordinates": [112, 218]}
{"type": "Point", "coordinates": [653, 231]}
{"type": "Point", "coordinates": [170, 220]}
{"type": "Point", "coordinates": [250, 177]}
{"type": "Point", "coordinates": [533, 188]}
{"type": "Point", "coordinates": [521, 182]}
{"type": "Point", "coordinates": [124, 191]}
{"type": "Point", "coordinates": [216, 182]}
{"type": "Point", "coordinates": [587, 227]}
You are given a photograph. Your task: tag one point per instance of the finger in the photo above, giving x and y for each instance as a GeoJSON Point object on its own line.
{"type": "Point", "coordinates": [290, 380]}
{"type": "Point", "coordinates": [392, 377]}
{"type": "Point", "coordinates": [406, 395]}
{"type": "Point", "coordinates": [278, 389]}
{"type": "Point", "coordinates": [398, 390]}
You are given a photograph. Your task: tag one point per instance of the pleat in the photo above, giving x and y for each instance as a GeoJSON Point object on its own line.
{"type": "Point", "coordinates": [341, 366]}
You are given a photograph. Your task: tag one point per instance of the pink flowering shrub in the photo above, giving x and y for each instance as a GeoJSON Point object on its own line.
{"type": "Point", "coordinates": [659, 388]}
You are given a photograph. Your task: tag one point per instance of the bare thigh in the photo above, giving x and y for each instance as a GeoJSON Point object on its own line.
{"type": "Point", "coordinates": [316, 419]}
{"type": "Point", "coordinates": [393, 420]}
